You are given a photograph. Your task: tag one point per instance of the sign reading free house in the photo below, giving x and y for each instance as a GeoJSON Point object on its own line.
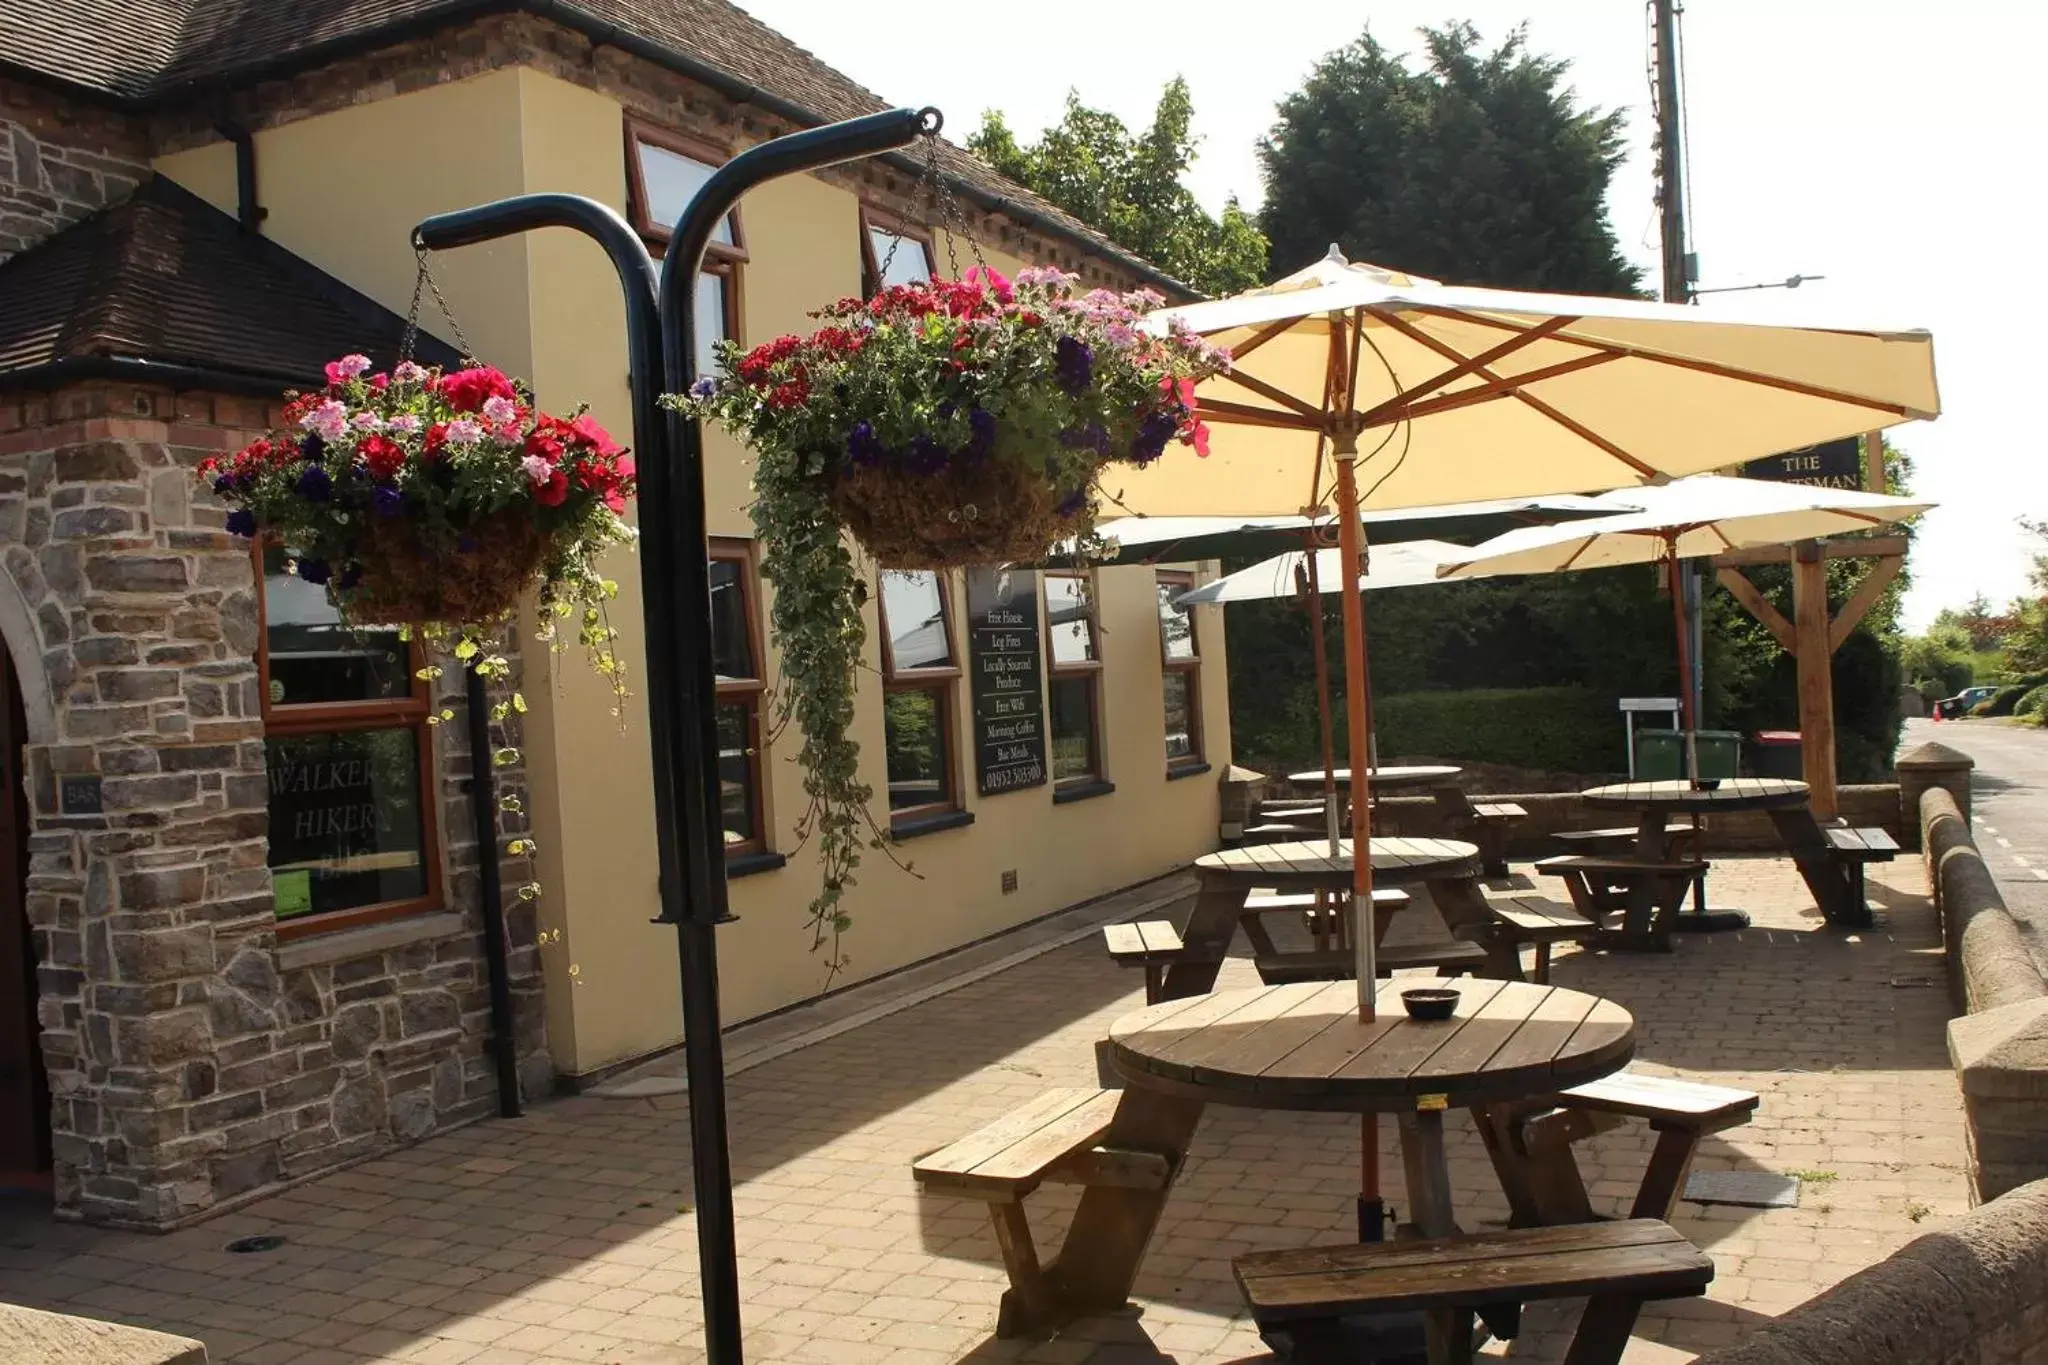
{"type": "Point", "coordinates": [1006, 679]}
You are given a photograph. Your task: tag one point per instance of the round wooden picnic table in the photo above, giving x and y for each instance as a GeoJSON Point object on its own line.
{"type": "Point", "coordinates": [1310, 864]}
{"type": "Point", "coordinates": [1384, 779]}
{"type": "Point", "coordinates": [1655, 802]}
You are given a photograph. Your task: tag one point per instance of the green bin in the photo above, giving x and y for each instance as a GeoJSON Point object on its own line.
{"type": "Point", "coordinates": [1660, 754]}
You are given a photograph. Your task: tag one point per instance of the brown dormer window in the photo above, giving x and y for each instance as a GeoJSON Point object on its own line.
{"type": "Point", "coordinates": [663, 169]}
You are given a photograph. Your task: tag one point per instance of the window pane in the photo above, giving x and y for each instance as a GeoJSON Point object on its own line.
{"type": "Point", "coordinates": [1066, 616]}
{"type": "Point", "coordinates": [736, 771]}
{"type": "Point", "coordinates": [1180, 715]}
{"type": "Point", "coordinates": [916, 613]}
{"type": "Point", "coordinates": [345, 828]}
{"type": "Point", "coordinates": [1073, 728]}
{"type": "Point", "coordinates": [671, 178]}
{"type": "Point", "coordinates": [908, 265]}
{"type": "Point", "coordinates": [913, 724]}
{"type": "Point", "coordinates": [732, 643]}
{"type": "Point", "coordinates": [1176, 627]}
{"type": "Point", "coordinates": [710, 321]}
{"type": "Point", "coordinates": [314, 656]}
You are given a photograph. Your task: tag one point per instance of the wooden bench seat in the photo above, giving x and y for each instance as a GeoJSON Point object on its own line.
{"type": "Point", "coordinates": [1855, 848]}
{"type": "Point", "coordinates": [1619, 839]}
{"type": "Point", "coordinates": [1152, 944]}
{"type": "Point", "coordinates": [1488, 824]}
{"type": "Point", "coordinates": [1056, 1137]}
{"type": "Point", "coordinates": [1299, 1297]}
{"type": "Point", "coordinates": [1600, 885]}
{"type": "Point", "coordinates": [1680, 1112]}
{"type": "Point", "coordinates": [1541, 922]}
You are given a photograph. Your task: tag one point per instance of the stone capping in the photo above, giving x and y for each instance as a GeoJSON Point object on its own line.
{"type": "Point", "coordinates": [1989, 963]}
{"type": "Point", "coordinates": [345, 944]}
{"type": "Point", "coordinates": [1976, 1293]}
{"type": "Point", "coordinates": [31, 1337]}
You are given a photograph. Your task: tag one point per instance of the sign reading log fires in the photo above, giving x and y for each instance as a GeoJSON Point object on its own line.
{"type": "Point", "coordinates": [1832, 464]}
{"type": "Point", "coordinates": [1006, 665]}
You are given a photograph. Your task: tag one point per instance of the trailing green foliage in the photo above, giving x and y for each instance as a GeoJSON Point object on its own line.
{"type": "Point", "coordinates": [1552, 729]}
{"type": "Point", "coordinates": [1129, 188]}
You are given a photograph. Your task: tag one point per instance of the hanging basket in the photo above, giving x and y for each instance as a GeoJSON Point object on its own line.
{"type": "Point", "coordinates": [413, 573]}
{"type": "Point", "coordinates": [991, 512]}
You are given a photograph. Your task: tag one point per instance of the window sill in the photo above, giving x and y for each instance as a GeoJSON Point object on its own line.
{"type": "Point", "coordinates": [1084, 790]}
{"type": "Point", "coordinates": [747, 864]}
{"type": "Point", "coordinates": [318, 950]}
{"type": "Point", "coordinates": [1176, 771]}
{"type": "Point", "coordinates": [918, 826]}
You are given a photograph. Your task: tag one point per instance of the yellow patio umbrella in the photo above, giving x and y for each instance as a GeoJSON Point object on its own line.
{"type": "Point", "coordinates": [1384, 389]}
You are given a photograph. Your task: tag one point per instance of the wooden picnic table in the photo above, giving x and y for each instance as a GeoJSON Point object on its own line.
{"type": "Point", "coordinates": [1782, 799]}
{"type": "Point", "coordinates": [1390, 779]}
{"type": "Point", "coordinates": [1302, 1047]}
{"type": "Point", "coordinates": [1447, 868]}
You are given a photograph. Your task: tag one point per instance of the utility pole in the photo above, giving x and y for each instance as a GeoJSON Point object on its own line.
{"type": "Point", "coordinates": [1677, 278]}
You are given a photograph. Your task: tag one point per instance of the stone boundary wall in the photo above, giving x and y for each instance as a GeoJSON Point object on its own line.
{"type": "Point", "coordinates": [1976, 1294]}
{"type": "Point", "coordinates": [1999, 1047]}
{"type": "Point", "coordinates": [29, 1336]}
{"type": "Point", "coordinates": [194, 1059]}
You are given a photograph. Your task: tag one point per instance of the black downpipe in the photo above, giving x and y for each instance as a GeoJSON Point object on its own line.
{"type": "Point", "coordinates": [248, 211]}
{"type": "Point", "coordinates": [490, 890]}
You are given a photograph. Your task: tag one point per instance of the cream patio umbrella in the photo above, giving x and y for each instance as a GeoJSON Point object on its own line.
{"type": "Point", "coordinates": [1468, 393]}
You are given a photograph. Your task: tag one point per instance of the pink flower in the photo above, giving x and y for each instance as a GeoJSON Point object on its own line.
{"type": "Point", "coordinates": [1145, 299]}
{"type": "Point", "coordinates": [1044, 274]}
{"type": "Point", "coordinates": [329, 420]}
{"type": "Point", "coordinates": [1198, 437]}
{"type": "Point", "coordinates": [499, 410]}
{"type": "Point", "coordinates": [405, 372]}
{"type": "Point", "coordinates": [987, 278]}
{"type": "Point", "coordinates": [347, 368]}
{"type": "Point", "coordinates": [1121, 336]}
{"type": "Point", "coordinates": [539, 471]}
{"type": "Point", "coordinates": [366, 421]}
{"type": "Point", "coordinates": [405, 422]}
{"type": "Point", "coordinates": [464, 431]}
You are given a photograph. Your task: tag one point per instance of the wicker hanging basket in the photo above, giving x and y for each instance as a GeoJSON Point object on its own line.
{"type": "Point", "coordinates": [990, 512]}
{"type": "Point", "coordinates": [413, 573]}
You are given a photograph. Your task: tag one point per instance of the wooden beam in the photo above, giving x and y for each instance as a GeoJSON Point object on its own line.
{"type": "Point", "coordinates": [1874, 471]}
{"type": "Point", "coordinates": [1759, 606]}
{"type": "Point", "coordinates": [1816, 676]}
{"type": "Point", "coordinates": [1867, 592]}
{"type": "Point", "coordinates": [1874, 546]}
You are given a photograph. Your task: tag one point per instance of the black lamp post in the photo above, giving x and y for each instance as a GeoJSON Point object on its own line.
{"type": "Point", "coordinates": [676, 593]}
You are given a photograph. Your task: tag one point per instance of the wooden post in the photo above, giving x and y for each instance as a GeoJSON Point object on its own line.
{"type": "Point", "coordinates": [1816, 680]}
{"type": "Point", "coordinates": [1874, 463]}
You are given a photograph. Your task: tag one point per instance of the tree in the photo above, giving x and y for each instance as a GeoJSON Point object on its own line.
{"type": "Point", "coordinates": [1479, 168]}
{"type": "Point", "coordinates": [1986, 628]}
{"type": "Point", "coordinates": [1129, 188]}
{"type": "Point", "coordinates": [2026, 643]}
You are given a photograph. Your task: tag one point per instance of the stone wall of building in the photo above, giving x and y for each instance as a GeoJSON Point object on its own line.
{"type": "Point", "coordinates": [645, 90]}
{"type": "Point", "coordinates": [193, 1058]}
{"type": "Point", "coordinates": [61, 160]}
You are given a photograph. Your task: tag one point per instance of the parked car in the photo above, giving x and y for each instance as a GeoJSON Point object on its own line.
{"type": "Point", "coordinates": [1961, 704]}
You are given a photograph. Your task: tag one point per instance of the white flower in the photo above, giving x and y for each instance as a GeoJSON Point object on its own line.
{"type": "Point", "coordinates": [366, 421]}
{"type": "Point", "coordinates": [405, 422]}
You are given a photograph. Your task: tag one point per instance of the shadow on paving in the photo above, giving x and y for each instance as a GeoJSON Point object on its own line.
{"type": "Point", "coordinates": [565, 1234]}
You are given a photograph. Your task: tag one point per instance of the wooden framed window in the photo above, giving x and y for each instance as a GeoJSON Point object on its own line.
{"type": "Point", "coordinates": [893, 252]}
{"type": "Point", "coordinates": [736, 658]}
{"type": "Point", "coordinates": [1180, 652]}
{"type": "Point", "coordinates": [1074, 685]}
{"type": "Point", "coordinates": [350, 759]}
{"type": "Point", "coordinates": [663, 169]}
{"type": "Point", "coordinates": [920, 675]}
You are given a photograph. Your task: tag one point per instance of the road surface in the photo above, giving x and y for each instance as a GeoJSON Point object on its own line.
{"type": "Point", "coordinates": [2009, 808]}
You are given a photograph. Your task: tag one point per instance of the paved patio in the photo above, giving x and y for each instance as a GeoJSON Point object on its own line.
{"type": "Point", "coordinates": [565, 1236]}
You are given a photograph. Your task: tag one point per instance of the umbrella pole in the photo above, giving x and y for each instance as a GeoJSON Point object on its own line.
{"type": "Point", "coordinates": [1322, 658]}
{"type": "Point", "coordinates": [1687, 720]}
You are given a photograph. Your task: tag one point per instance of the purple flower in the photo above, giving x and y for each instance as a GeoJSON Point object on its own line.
{"type": "Point", "coordinates": [1094, 436]}
{"type": "Point", "coordinates": [223, 485]}
{"type": "Point", "coordinates": [925, 455]}
{"type": "Point", "coordinates": [351, 574]}
{"type": "Point", "coordinates": [314, 485]}
{"type": "Point", "coordinates": [388, 501]}
{"type": "Point", "coordinates": [313, 570]}
{"type": "Point", "coordinates": [704, 388]}
{"type": "Point", "coordinates": [863, 447]}
{"type": "Point", "coordinates": [1154, 432]}
{"type": "Point", "coordinates": [312, 448]}
{"type": "Point", "coordinates": [981, 427]}
{"type": "Point", "coordinates": [465, 544]}
{"type": "Point", "coordinates": [1074, 363]}
{"type": "Point", "coordinates": [242, 522]}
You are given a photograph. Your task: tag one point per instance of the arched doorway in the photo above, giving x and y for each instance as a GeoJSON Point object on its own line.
{"type": "Point", "coordinates": [24, 1090]}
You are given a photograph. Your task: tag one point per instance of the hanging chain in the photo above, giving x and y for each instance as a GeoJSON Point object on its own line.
{"type": "Point", "coordinates": [937, 198]}
{"type": "Point", "coordinates": [422, 283]}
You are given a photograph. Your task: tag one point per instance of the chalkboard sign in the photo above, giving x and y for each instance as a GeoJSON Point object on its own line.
{"type": "Point", "coordinates": [1006, 667]}
{"type": "Point", "coordinates": [1832, 464]}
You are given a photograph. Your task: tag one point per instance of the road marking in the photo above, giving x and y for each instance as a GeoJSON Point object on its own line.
{"type": "Point", "coordinates": [2021, 859]}
{"type": "Point", "coordinates": [2043, 875]}
{"type": "Point", "coordinates": [2005, 843]}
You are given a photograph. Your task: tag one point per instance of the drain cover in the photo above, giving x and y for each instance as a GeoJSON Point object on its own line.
{"type": "Point", "coordinates": [1751, 1189]}
{"type": "Point", "coordinates": [268, 1241]}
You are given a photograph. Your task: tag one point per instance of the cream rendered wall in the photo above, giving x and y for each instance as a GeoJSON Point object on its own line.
{"type": "Point", "coordinates": [546, 306]}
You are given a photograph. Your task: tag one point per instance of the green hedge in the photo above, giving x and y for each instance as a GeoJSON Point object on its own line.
{"type": "Point", "coordinates": [1554, 729]}
{"type": "Point", "coordinates": [2007, 698]}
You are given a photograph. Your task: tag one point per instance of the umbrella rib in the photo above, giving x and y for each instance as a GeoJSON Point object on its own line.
{"type": "Point", "coordinates": [1465, 366]}
{"type": "Point", "coordinates": [1261, 337]}
{"type": "Point", "coordinates": [1578, 429]}
{"type": "Point", "coordinates": [1684, 362]}
{"type": "Point", "coordinates": [1274, 392]}
{"type": "Point", "coordinates": [1493, 389]}
{"type": "Point", "coordinates": [1222, 410]}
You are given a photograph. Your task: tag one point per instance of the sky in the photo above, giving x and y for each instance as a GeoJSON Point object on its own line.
{"type": "Point", "coordinates": [1891, 146]}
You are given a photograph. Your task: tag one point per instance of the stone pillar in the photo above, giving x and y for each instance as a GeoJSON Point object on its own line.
{"type": "Point", "coordinates": [1930, 765]}
{"type": "Point", "coordinates": [2001, 1060]}
{"type": "Point", "coordinates": [1238, 795]}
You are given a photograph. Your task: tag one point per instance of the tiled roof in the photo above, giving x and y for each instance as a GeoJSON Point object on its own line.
{"type": "Point", "coordinates": [169, 279]}
{"type": "Point", "coordinates": [145, 50]}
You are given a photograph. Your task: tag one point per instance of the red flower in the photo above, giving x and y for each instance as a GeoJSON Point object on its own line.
{"type": "Point", "coordinates": [1027, 318]}
{"type": "Point", "coordinates": [384, 456]}
{"type": "Point", "coordinates": [626, 469]}
{"type": "Point", "coordinates": [469, 390]}
{"type": "Point", "coordinates": [437, 436]}
{"type": "Point", "coordinates": [380, 382]}
{"type": "Point", "coordinates": [790, 395]}
{"type": "Point", "coordinates": [594, 437]}
{"type": "Point", "coordinates": [547, 447]}
{"type": "Point", "coordinates": [614, 500]}
{"type": "Point", "coordinates": [300, 406]}
{"type": "Point", "coordinates": [554, 492]}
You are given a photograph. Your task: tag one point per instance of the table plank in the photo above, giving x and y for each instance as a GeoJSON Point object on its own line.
{"type": "Point", "coordinates": [1402, 1051]}
{"type": "Point", "coordinates": [1476, 1045]}
{"type": "Point", "coordinates": [1233, 1028]}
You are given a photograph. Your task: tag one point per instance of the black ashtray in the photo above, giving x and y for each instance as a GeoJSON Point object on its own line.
{"type": "Point", "coordinates": [1707, 784]}
{"type": "Point", "coordinates": [1431, 1002]}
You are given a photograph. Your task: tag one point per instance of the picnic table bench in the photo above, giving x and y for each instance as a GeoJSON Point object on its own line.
{"type": "Point", "coordinates": [1299, 1297]}
{"type": "Point", "coordinates": [1153, 944]}
{"type": "Point", "coordinates": [1644, 893]}
{"type": "Point", "coordinates": [1489, 824]}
